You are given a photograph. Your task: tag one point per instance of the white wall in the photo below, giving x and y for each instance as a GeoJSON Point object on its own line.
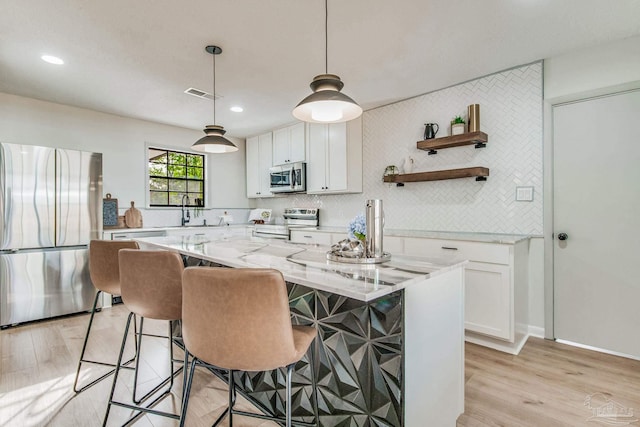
{"type": "Point", "coordinates": [511, 114]}
{"type": "Point", "coordinates": [592, 71]}
{"type": "Point", "coordinates": [122, 142]}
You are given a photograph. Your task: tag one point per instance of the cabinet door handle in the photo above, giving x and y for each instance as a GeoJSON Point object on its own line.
{"type": "Point", "coordinates": [308, 237]}
{"type": "Point", "coordinates": [449, 248]}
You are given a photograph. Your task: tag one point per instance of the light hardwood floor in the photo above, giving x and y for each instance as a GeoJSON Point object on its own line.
{"type": "Point", "coordinates": [546, 385]}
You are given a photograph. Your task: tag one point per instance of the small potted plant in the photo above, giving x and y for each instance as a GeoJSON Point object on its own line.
{"type": "Point", "coordinates": [457, 125]}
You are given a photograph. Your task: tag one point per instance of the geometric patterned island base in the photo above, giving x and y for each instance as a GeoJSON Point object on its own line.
{"type": "Point", "coordinates": [356, 361]}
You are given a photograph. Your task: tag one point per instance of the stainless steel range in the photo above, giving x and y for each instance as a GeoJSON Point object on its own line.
{"type": "Point", "coordinates": [293, 218]}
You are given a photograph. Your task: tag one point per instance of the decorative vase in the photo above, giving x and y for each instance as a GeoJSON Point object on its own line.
{"type": "Point", "coordinates": [473, 113]}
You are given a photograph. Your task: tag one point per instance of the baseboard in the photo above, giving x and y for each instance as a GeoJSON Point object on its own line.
{"type": "Point", "coordinates": [523, 332]}
{"type": "Point", "coordinates": [599, 350]}
{"type": "Point", "coordinates": [536, 331]}
{"type": "Point", "coordinates": [497, 344]}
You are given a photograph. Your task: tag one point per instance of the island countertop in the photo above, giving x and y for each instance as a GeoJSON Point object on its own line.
{"type": "Point", "coordinates": [307, 264]}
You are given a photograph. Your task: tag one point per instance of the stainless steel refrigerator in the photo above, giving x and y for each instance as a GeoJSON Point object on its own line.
{"type": "Point", "coordinates": [50, 208]}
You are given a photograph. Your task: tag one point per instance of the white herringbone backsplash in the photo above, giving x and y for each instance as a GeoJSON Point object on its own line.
{"type": "Point", "coordinates": [510, 113]}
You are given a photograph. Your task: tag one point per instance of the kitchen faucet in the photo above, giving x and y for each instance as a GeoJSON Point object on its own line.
{"type": "Point", "coordinates": [186, 216]}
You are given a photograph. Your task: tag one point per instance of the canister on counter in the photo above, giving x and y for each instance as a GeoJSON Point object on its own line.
{"type": "Point", "coordinates": [473, 113]}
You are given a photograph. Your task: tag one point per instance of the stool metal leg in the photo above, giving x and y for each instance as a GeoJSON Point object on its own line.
{"type": "Point", "coordinates": [288, 422]}
{"type": "Point", "coordinates": [288, 403]}
{"type": "Point", "coordinates": [84, 349]}
{"type": "Point", "coordinates": [169, 379]}
{"type": "Point", "coordinates": [232, 397]}
{"type": "Point", "coordinates": [185, 367]}
{"type": "Point", "coordinates": [117, 370]}
{"type": "Point", "coordinates": [135, 372]}
{"type": "Point", "coordinates": [187, 390]}
{"type": "Point", "coordinates": [141, 409]}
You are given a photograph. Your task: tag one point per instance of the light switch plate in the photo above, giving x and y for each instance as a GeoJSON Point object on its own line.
{"type": "Point", "coordinates": [524, 194]}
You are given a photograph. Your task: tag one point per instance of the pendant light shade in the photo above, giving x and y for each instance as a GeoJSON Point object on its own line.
{"type": "Point", "coordinates": [214, 141]}
{"type": "Point", "coordinates": [327, 104]}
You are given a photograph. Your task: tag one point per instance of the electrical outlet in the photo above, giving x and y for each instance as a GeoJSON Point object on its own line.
{"type": "Point", "coordinates": [524, 194]}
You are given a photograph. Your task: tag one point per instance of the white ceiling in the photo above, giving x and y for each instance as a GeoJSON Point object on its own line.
{"type": "Point", "coordinates": [135, 58]}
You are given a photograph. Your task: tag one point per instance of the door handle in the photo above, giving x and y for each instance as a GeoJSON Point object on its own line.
{"type": "Point", "coordinates": [563, 236]}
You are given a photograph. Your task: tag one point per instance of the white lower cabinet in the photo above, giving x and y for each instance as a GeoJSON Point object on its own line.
{"type": "Point", "coordinates": [311, 237]}
{"type": "Point", "coordinates": [496, 287]}
{"type": "Point", "coordinates": [488, 286]}
{"type": "Point", "coordinates": [496, 282]}
{"type": "Point", "coordinates": [317, 237]}
{"type": "Point", "coordinates": [489, 300]}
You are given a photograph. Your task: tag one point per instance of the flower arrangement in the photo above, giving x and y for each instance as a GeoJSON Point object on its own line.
{"type": "Point", "coordinates": [358, 228]}
{"type": "Point", "coordinates": [457, 120]}
{"type": "Point", "coordinates": [457, 126]}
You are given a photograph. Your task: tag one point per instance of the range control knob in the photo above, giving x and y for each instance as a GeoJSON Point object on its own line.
{"type": "Point", "coordinates": [563, 236]}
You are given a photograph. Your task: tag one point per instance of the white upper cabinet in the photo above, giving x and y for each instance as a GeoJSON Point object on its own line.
{"type": "Point", "coordinates": [259, 160]}
{"type": "Point", "coordinates": [334, 157]}
{"type": "Point", "coordinates": [289, 144]}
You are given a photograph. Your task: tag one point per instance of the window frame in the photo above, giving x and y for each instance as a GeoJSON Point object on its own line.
{"type": "Point", "coordinates": [178, 150]}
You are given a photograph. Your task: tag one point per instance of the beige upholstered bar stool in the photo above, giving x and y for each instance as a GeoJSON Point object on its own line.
{"type": "Point", "coordinates": [105, 275]}
{"type": "Point", "coordinates": [151, 284]}
{"type": "Point", "coordinates": [239, 319]}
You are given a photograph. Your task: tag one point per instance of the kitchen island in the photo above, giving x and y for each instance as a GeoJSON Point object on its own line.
{"type": "Point", "coordinates": [390, 345]}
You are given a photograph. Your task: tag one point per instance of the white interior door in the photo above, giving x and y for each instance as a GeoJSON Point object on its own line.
{"type": "Point", "coordinates": [596, 199]}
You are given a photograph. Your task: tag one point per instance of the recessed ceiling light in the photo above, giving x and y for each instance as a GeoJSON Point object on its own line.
{"type": "Point", "coordinates": [52, 59]}
{"type": "Point", "coordinates": [237, 109]}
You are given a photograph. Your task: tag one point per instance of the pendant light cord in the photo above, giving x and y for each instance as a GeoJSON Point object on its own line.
{"type": "Point", "coordinates": [326, 36]}
{"type": "Point", "coordinates": [214, 87]}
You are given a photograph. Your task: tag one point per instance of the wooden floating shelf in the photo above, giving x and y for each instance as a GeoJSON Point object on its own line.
{"type": "Point", "coordinates": [479, 173]}
{"type": "Point", "coordinates": [479, 139]}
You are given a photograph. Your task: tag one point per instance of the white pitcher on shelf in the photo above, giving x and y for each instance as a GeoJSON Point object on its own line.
{"type": "Point", "coordinates": [407, 166]}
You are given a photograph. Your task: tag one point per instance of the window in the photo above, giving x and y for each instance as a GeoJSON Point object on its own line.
{"type": "Point", "coordinates": [173, 174]}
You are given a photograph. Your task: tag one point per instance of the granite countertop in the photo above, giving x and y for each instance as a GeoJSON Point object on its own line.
{"type": "Point", "coordinates": [307, 264]}
{"type": "Point", "coordinates": [447, 235]}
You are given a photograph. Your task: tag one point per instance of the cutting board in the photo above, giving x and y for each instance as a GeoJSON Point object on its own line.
{"type": "Point", "coordinates": [133, 217]}
{"type": "Point", "coordinates": [109, 212]}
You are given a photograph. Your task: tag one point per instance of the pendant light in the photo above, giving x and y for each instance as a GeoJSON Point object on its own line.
{"type": "Point", "coordinates": [327, 104]}
{"type": "Point", "coordinates": [214, 141]}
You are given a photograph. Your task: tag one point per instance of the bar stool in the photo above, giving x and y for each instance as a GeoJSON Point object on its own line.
{"type": "Point", "coordinates": [239, 319]}
{"type": "Point", "coordinates": [105, 275]}
{"type": "Point", "coordinates": [151, 283]}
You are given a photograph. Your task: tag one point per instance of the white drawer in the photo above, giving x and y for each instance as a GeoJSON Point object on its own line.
{"type": "Point", "coordinates": [313, 237]}
{"type": "Point", "coordinates": [494, 253]}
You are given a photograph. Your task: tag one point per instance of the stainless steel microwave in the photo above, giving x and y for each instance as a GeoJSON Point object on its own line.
{"type": "Point", "coordinates": [289, 178]}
